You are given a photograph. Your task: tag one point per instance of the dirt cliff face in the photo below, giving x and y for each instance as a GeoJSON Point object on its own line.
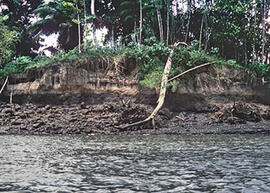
{"type": "Point", "coordinates": [95, 82]}
{"type": "Point", "coordinates": [72, 78]}
{"type": "Point", "coordinates": [213, 85]}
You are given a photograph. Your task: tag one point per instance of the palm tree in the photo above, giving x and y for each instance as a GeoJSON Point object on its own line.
{"type": "Point", "coordinates": [57, 17]}
{"type": "Point", "coordinates": [19, 14]}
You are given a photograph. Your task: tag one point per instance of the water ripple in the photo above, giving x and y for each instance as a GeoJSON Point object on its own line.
{"type": "Point", "coordinates": [135, 163]}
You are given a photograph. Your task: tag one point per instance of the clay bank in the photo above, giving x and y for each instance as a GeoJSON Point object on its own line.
{"type": "Point", "coordinates": [88, 97]}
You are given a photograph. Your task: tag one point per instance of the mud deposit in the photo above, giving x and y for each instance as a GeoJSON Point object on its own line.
{"type": "Point", "coordinates": [104, 118]}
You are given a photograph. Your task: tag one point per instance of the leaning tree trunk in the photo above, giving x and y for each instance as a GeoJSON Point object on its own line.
{"type": "Point", "coordinates": [5, 83]}
{"type": "Point", "coordinates": [162, 93]}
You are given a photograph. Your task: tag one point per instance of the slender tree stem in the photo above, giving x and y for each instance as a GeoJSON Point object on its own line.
{"type": "Point", "coordinates": [79, 27]}
{"type": "Point", "coordinates": [201, 32]}
{"type": "Point", "coordinates": [141, 23]}
{"type": "Point", "coordinates": [168, 22]}
{"type": "Point", "coordinates": [161, 34]}
{"type": "Point", "coordinates": [4, 85]}
{"type": "Point", "coordinates": [84, 8]}
{"type": "Point", "coordinates": [191, 69]}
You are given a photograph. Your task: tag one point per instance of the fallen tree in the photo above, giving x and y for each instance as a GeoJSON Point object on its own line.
{"type": "Point", "coordinates": [163, 87]}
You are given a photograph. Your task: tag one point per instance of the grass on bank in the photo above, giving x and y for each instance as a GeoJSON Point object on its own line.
{"type": "Point", "coordinates": [150, 58]}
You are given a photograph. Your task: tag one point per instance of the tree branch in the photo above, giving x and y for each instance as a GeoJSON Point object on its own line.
{"type": "Point", "coordinates": [191, 69]}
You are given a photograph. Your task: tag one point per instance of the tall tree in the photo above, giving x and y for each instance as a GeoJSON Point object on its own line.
{"type": "Point", "coordinates": [160, 23]}
{"type": "Point", "coordinates": [254, 12]}
{"type": "Point", "coordinates": [141, 22]}
{"type": "Point", "coordinates": [57, 17]}
{"type": "Point", "coordinates": [264, 11]}
{"type": "Point", "coordinates": [85, 24]}
{"type": "Point", "coordinates": [188, 20]}
{"type": "Point", "coordinates": [79, 27]}
{"type": "Point", "coordinates": [168, 21]}
{"type": "Point", "coordinates": [19, 15]}
{"type": "Point", "coordinates": [8, 40]}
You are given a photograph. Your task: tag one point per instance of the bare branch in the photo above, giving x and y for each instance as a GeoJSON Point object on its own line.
{"type": "Point", "coordinates": [191, 69]}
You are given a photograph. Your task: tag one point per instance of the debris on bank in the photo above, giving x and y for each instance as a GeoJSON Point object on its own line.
{"type": "Point", "coordinates": [104, 118]}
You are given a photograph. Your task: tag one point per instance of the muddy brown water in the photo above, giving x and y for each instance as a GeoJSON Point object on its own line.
{"type": "Point", "coordinates": [161, 163]}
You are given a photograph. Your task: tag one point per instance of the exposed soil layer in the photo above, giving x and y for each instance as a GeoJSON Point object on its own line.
{"type": "Point", "coordinates": [104, 118]}
{"type": "Point", "coordinates": [94, 96]}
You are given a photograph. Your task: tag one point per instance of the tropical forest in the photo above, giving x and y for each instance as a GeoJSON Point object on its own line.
{"type": "Point", "coordinates": [130, 56]}
{"type": "Point", "coordinates": [135, 96]}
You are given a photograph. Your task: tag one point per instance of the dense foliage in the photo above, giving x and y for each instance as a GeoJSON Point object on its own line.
{"type": "Point", "coordinates": [231, 32]}
{"type": "Point", "coordinates": [8, 38]}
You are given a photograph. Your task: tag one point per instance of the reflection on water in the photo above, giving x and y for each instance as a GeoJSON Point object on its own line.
{"type": "Point", "coordinates": [135, 163]}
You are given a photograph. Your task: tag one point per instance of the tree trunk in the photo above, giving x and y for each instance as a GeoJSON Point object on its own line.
{"type": "Point", "coordinates": [160, 25]}
{"type": "Point", "coordinates": [188, 22]}
{"type": "Point", "coordinates": [112, 40]}
{"type": "Point", "coordinates": [134, 36]}
{"type": "Point", "coordinates": [246, 56]}
{"type": "Point", "coordinates": [5, 83]}
{"type": "Point", "coordinates": [11, 95]}
{"type": "Point", "coordinates": [168, 22]}
{"type": "Point", "coordinates": [263, 31]}
{"type": "Point", "coordinates": [201, 32]}
{"type": "Point", "coordinates": [207, 34]}
{"type": "Point", "coordinates": [254, 35]}
{"type": "Point", "coordinates": [92, 9]}
{"type": "Point", "coordinates": [79, 28]}
{"type": "Point", "coordinates": [172, 31]}
{"type": "Point", "coordinates": [141, 23]}
{"type": "Point", "coordinates": [84, 38]}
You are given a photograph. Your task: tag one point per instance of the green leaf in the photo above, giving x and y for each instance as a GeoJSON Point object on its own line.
{"type": "Point", "coordinates": [125, 3]}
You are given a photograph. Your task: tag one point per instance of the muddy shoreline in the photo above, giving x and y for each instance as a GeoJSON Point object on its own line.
{"type": "Point", "coordinates": [104, 118]}
{"type": "Point", "coordinates": [85, 98]}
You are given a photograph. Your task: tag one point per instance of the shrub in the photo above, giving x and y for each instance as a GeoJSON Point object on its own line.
{"type": "Point", "coordinates": [17, 66]}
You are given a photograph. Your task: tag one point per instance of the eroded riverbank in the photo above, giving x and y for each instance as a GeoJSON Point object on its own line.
{"type": "Point", "coordinates": [104, 118]}
{"type": "Point", "coordinates": [79, 98]}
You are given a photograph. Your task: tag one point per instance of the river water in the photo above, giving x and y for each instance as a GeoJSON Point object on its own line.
{"type": "Point", "coordinates": [224, 163]}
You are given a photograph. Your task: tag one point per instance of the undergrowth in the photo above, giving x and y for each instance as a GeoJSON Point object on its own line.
{"type": "Point", "coordinates": [150, 57]}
